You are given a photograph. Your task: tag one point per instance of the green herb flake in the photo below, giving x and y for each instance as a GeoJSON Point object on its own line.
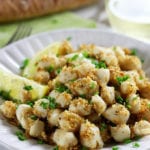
{"type": "Point", "coordinates": [100, 64]}
{"type": "Point", "coordinates": [127, 141]}
{"type": "Point", "coordinates": [85, 54]}
{"type": "Point", "coordinates": [5, 95]}
{"type": "Point", "coordinates": [84, 148]}
{"type": "Point", "coordinates": [103, 127]}
{"type": "Point", "coordinates": [52, 102]}
{"type": "Point", "coordinates": [141, 78]}
{"type": "Point", "coordinates": [69, 38]}
{"type": "Point", "coordinates": [20, 135]}
{"type": "Point", "coordinates": [149, 106]}
{"type": "Point", "coordinates": [135, 145]}
{"type": "Point", "coordinates": [56, 148]}
{"type": "Point", "coordinates": [114, 48]}
{"type": "Point", "coordinates": [115, 148]}
{"type": "Point", "coordinates": [28, 87]}
{"type": "Point", "coordinates": [82, 95]}
{"type": "Point", "coordinates": [122, 79]}
{"type": "Point", "coordinates": [30, 103]}
{"type": "Point", "coordinates": [50, 68]}
{"type": "Point", "coordinates": [134, 98]}
{"type": "Point", "coordinates": [142, 60]}
{"type": "Point", "coordinates": [134, 52]}
{"type": "Point", "coordinates": [61, 88]}
{"type": "Point", "coordinates": [58, 70]}
{"type": "Point", "coordinates": [40, 141]}
{"type": "Point", "coordinates": [120, 100]}
{"type": "Point", "coordinates": [92, 85]}
{"type": "Point", "coordinates": [45, 105]}
{"type": "Point", "coordinates": [33, 117]}
{"type": "Point", "coordinates": [73, 58]}
{"type": "Point", "coordinates": [24, 63]}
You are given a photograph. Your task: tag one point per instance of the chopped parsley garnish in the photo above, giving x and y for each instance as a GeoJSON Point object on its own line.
{"type": "Point", "coordinates": [24, 63]}
{"type": "Point", "coordinates": [103, 126]}
{"type": "Point", "coordinates": [149, 106]}
{"type": "Point", "coordinates": [92, 85]}
{"type": "Point", "coordinates": [21, 135]}
{"type": "Point", "coordinates": [40, 141]}
{"type": "Point", "coordinates": [28, 87]}
{"type": "Point", "coordinates": [85, 54]}
{"type": "Point", "coordinates": [84, 148]}
{"type": "Point", "coordinates": [137, 138]}
{"type": "Point", "coordinates": [73, 58]}
{"type": "Point", "coordinates": [30, 103]}
{"type": "Point", "coordinates": [45, 105]}
{"type": "Point", "coordinates": [127, 105]}
{"type": "Point", "coordinates": [98, 64]}
{"type": "Point", "coordinates": [50, 68]}
{"type": "Point", "coordinates": [124, 102]}
{"type": "Point", "coordinates": [127, 141]}
{"type": "Point", "coordinates": [83, 96]}
{"type": "Point", "coordinates": [69, 38]}
{"type": "Point", "coordinates": [115, 148]}
{"type": "Point", "coordinates": [56, 148]}
{"type": "Point", "coordinates": [142, 60]}
{"type": "Point", "coordinates": [61, 88]}
{"type": "Point", "coordinates": [114, 48]}
{"type": "Point", "coordinates": [136, 145]}
{"type": "Point", "coordinates": [141, 78]}
{"type": "Point", "coordinates": [134, 52]}
{"type": "Point", "coordinates": [33, 117]}
{"type": "Point", "coordinates": [58, 70]}
{"type": "Point", "coordinates": [5, 95]}
{"type": "Point", "coordinates": [52, 102]}
{"type": "Point", "coordinates": [122, 79]}
{"type": "Point", "coordinates": [120, 100]}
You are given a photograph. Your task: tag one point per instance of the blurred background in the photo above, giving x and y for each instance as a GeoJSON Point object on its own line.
{"type": "Point", "coordinates": [22, 18]}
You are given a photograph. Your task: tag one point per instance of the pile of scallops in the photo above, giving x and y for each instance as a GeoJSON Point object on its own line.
{"type": "Point", "coordinates": [96, 96]}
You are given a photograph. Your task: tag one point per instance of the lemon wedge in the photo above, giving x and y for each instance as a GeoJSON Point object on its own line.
{"type": "Point", "coordinates": [15, 85]}
{"type": "Point", "coordinates": [31, 68]}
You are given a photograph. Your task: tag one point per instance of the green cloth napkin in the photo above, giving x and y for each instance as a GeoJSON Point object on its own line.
{"type": "Point", "coordinates": [51, 22]}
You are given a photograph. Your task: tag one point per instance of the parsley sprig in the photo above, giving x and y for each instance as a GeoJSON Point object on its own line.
{"type": "Point", "coordinates": [122, 79]}
{"type": "Point", "coordinates": [5, 95]}
{"type": "Point", "coordinates": [61, 88]}
{"type": "Point", "coordinates": [98, 64]}
{"type": "Point", "coordinates": [21, 135]}
{"type": "Point", "coordinates": [24, 63]}
{"type": "Point", "coordinates": [28, 87]}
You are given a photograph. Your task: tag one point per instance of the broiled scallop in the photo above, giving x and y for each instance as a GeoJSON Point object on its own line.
{"type": "Point", "coordinates": [83, 86]}
{"type": "Point", "coordinates": [69, 121]}
{"type": "Point", "coordinates": [36, 128]}
{"type": "Point", "coordinates": [40, 108]}
{"type": "Point", "coordinates": [135, 103]}
{"type": "Point", "coordinates": [108, 94]}
{"type": "Point", "coordinates": [98, 104]}
{"type": "Point", "coordinates": [64, 138]}
{"type": "Point", "coordinates": [53, 117]}
{"type": "Point", "coordinates": [80, 106]}
{"type": "Point", "coordinates": [141, 128]}
{"type": "Point", "coordinates": [120, 132]}
{"type": "Point", "coordinates": [8, 109]}
{"type": "Point", "coordinates": [117, 114]}
{"type": "Point", "coordinates": [103, 76]}
{"type": "Point", "coordinates": [90, 136]}
{"type": "Point", "coordinates": [23, 114]}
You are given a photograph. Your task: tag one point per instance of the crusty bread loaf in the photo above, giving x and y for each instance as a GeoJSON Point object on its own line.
{"type": "Point", "coordinates": [11, 10]}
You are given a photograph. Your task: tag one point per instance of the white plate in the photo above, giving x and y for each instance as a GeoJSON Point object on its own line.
{"type": "Point", "coordinates": [12, 56]}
